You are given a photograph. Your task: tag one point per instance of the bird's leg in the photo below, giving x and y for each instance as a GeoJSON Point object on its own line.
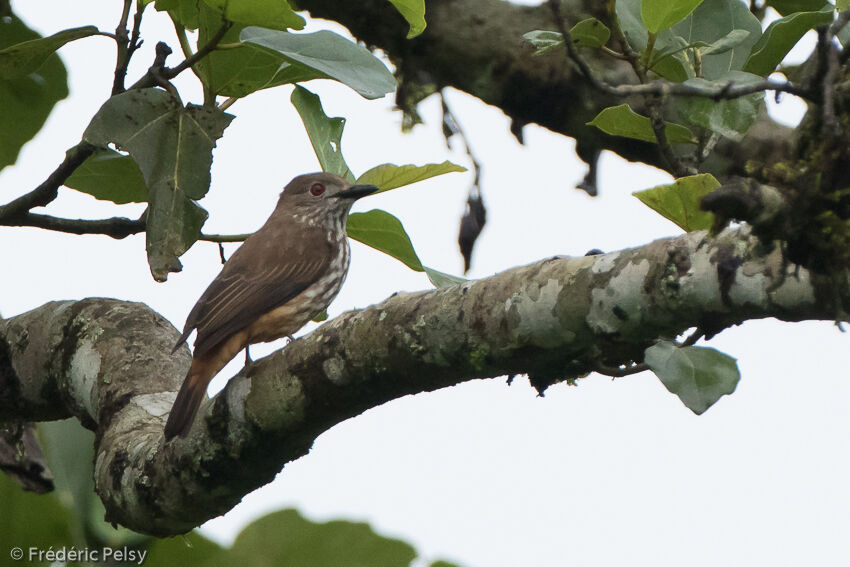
{"type": "Point", "coordinates": [248, 355]}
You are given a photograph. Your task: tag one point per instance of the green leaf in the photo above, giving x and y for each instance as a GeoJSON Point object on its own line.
{"type": "Point", "coordinates": [329, 54]}
{"type": "Point", "coordinates": [840, 5]}
{"type": "Point", "coordinates": [172, 146]}
{"type": "Point", "coordinates": [843, 35]}
{"type": "Point", "coordinates": [23, 58]}
{"type": "Point", "coordinates": [414, 12]}
{"type": "Point", "coordinates": [659, 15]}
{"type": "Point", "coordinates": [183, 12]}
{"type": "Point", "coordinates": [442, 279]}
{"type": "Point", "coordinates": [729, 41]}
{"type": "Point", "coordinates": [590, 33]}
{"type": "Point", "coordinates": [714, 20]}
{"type": "Point", "coordinates": [698, 375]}
{"type": "Point", "coordinates": [676, 66]}
{"type": "Point", "coordinates": [786, 7]}
{"type": "Point", "coordinates": [325, 133]}
{"type": "Point", "coordinates": [285, 538]}
{"type": "Point", "coordinates": [110, 176]}
{"type": "Point", "coordinates": [543, 41]}
{"type": "Point", "coordinates": [389, 176]}
{"type": "Point", "coordinates": [240, 71]}
{"type": "Point", "coordinates": [382, 231]}
{"type": "Point", "coordinates": [274, 14]}
{"type": "Point", "coordinates": [189, 549]}
{"type": "Point", "coordinates": [30, 520]}
{"type": "Point", "coordinates": [781, 36]}
{"type": "Point", "coordinates": [69, 448]}
{"type": "Point", "coordinates": [26, 101]}
{"type": "Point", "coordinates": [623, 121]}
{"type": "Point", "coordinates": [680, 201]}
{"type": "Point", "coordinates": [730, 118]}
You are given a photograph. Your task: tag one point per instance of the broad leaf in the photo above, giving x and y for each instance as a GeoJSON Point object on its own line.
{"type": "Point", "coordinates": [414, 12]}
{"type": "Point", "coordinates": [382, 231]}
{"type": "Point", "coordinates": [240, 71]}
{"type": "Point", "coordinates": [623, 121]}
{"type": "Point", "coordinates": [698, 375]}
{"type": "Point", "coordinates": [21, 59]}
{"type": "Point", "coordinates": [189, 549]}
{"type": "Point", "coordinates": [285, 538]}
{"type": "Point", "coordinates": [275, 14]}
{"type": "Point", "coordinates": [325, 133]}
{"type": "Point", "coordinates": [673, 67]}
{"type": "Point", "coordinates": [659, 15]}
{"type": "Point", "coordinates": [172, 146]}
{"type": "Point", "coordinates": [680, 201]}
{"type": "Point", "coordinates": [30, 521]}
{"type": "Point", "coordinates": [26, 101]}
{"type": "Point", "coordinates": [781, 36]}
{"type": "Point", "coordinates": [442, 279]}
{"type": "Point", "coordinates": [730, 118]}
{"type": "Point", "coordinates": [183, 12]}
{"type": "Point", "coordinates": [729, 41]}
{"type": "Point", "coordinates": [840, 5]}
{"type": "Point", "coordinates": [590, 33]}
{"type": "Point", "coordinates": [713, 20]}
{"type": "Point", "coordinates": [70, 451]}
{"type": "Point", "coordinates": [389, 176]}
{"type": "Point", "coordinates": [110, 176]}
{"type": "Point", "coordinates": [329, 54]}
{"type": "Point", "coordinates": [786, 7]}
{"type": "Point", "coordinates": [543, 41]}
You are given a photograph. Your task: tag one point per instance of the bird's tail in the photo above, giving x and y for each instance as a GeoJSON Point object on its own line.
{"type": "Point", "coordinates": [186, 404]}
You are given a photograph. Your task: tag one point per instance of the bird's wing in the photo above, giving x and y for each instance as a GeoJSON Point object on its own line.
{"type": "Point", "coordinates": [243, 291]}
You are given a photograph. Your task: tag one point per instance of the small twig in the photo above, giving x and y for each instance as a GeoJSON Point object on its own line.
{"type": "Point", "coordinates": [200, 54]}
{"type": "Point", "coordinates": [227, 103]}
{"type": "Point", "coordinates": [451, 124]}
{"type": "Point", "coordinates": [617, 372]}
{"type": "Point", "coordinates": [220, 238]}
{"type": "Point", "coordinates": [677, 167]}
{"type": "Point", "coordinates": [664, 88]}
{"type": "Point", "coordinates": [47, 191]}
{"type": "Point", "coordinates": [614, 54]}
{"type": "Point", "coordinates": [122, 40]}
{"type": "Point", "coordinates": [692, 339]}
{"type": "Point", "coordinates": [116, 227]}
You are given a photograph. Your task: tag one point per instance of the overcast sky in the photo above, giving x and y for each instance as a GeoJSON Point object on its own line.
{"type": "Point", "coordinates": [608, 473]}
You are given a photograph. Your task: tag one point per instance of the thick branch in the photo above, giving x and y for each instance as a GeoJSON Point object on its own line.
{"type": "Point", "coordinates": [476, 46]}
{"type": "Point", "coordinates": [107, 362]}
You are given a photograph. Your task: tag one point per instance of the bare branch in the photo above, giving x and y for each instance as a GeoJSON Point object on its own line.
{"type": "Point", "coordinates": [116, 227]}
{"type": "Point", "coordinates": [47, 191]}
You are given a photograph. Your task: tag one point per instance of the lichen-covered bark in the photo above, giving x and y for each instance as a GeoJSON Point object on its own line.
{"type": "Point", "coordinates": [476, 46]}
{"type": "Point", "coordinates": [108, 362]}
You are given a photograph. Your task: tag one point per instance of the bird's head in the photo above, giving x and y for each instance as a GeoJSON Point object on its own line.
{"type": "Point", "coordinates": [324, 193]}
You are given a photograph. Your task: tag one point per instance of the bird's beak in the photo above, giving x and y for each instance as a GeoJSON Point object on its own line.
{"type": "Point", "coordinates": [356, 191]}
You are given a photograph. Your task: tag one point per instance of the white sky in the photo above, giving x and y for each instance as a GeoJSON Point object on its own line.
{"type": "Point", "coordinates": [483, 474]}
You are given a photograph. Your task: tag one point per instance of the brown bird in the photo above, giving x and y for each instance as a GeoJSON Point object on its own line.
{"type": "Point", "coordinates": [281, 277]}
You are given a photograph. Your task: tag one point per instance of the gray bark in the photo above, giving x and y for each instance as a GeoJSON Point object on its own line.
{"type": "Point", "coordinates": [108, 362]}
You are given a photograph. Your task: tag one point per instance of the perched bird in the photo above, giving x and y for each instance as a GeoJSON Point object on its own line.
{"type": "Point", "coordinates": [281, 277]}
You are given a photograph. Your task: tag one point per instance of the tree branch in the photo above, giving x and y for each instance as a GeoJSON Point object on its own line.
{"type": "Point", "coordinates": [116, 227]}
{"type": "Point", "coordinates": [47, 191]}
{"type": "Point", "coordinates": [454, 51]}
{"type": "Point", "coordinates": [108, 362]}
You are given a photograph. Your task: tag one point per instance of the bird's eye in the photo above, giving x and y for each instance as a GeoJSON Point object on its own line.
{"type": "Point", "coordinates": [317, 189]}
